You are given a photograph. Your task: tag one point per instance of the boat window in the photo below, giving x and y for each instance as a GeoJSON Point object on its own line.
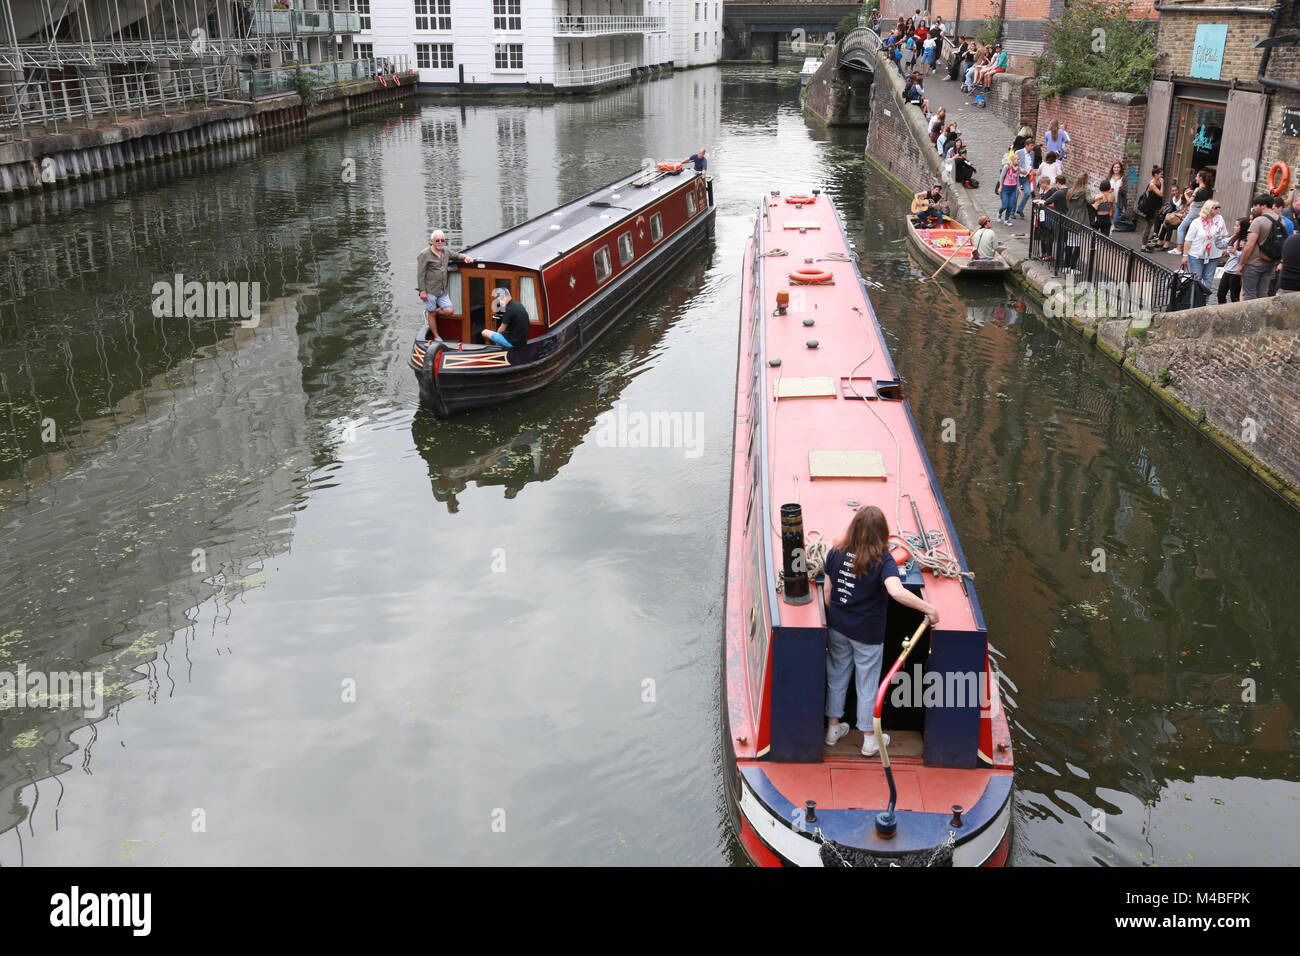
{"type": "Point", "coordinates": [603, 265]}
{"type": "Point", "coordinates": [625, 248]}
{"type": "Point", "coordinates": [656, 227]}
{"type": "Point", "coordinates": [528, 299]}
{"type": "Point", "coordinates": [453, 290]}
{"type": "Point", "coordinates": [690, 203]}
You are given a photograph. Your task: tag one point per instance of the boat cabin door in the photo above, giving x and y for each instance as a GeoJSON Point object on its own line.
{"type": "Point", "coordinates": [480, 308]}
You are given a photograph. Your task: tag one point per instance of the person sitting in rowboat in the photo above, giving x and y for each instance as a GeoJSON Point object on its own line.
{"type": "Point", "coordinates": [431, 279]}
{"type": "Point", "coordinates": [984, 241]}
{"type": "Point", "coordinates": [861, 577]}
{"type": "Point", "coordinates": [929, 207]}
{"type": "Point", "coordinates": [513, 317]}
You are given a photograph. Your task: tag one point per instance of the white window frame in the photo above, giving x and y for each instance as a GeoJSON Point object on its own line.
{"type": "Point", "coordinates": [602, 258]}
{"type": "Point", "coordinates": [505, 53]}
{"type": "Point", "coordinates": [656, 227]}
{"type": "Point", "coordinates": [507, 15]}
{"type": "Point", "coordinates": [362, 7]}
{"type": "Point", "coordinates": [432, 14]}
{"type": "Point", "coordinates": [626, 255]}
{"type": "Point", "coordinates": [690, 203]}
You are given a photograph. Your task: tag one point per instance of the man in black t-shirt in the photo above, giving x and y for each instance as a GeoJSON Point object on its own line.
{"type": "Point", "coordinates": [513, 317]}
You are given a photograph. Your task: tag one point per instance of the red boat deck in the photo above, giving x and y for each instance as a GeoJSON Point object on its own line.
{"type": "Point", "coordinates": [812, 425]}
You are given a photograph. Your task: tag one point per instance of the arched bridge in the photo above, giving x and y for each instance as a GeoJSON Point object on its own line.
{"type": "Point", "coordinates": [743, 19]}
{"type": "Point", "coordinates": [858, 50]}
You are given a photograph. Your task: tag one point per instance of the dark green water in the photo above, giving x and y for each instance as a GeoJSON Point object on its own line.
{"type": "Point", "coordinates": [348, 633]}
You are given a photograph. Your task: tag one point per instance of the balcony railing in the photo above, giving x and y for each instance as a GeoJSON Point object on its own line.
{"type": "Point", "coordinates": [593, 76]}
{"type": "Point", "coordinates": [304, 22]}
{"type": "Point", "coordinates": [579, 26]}
{"type": "Point", "coordinates": [280, 80]}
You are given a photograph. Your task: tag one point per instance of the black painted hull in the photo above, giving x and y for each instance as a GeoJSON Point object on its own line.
{"type": "Point", "coordinates": [544, 359]}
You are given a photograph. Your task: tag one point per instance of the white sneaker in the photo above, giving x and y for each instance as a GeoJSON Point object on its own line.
{"type": "Point", "coordinates": [869, 746]}
{"type": "Point", "coordinates": [836, 732]}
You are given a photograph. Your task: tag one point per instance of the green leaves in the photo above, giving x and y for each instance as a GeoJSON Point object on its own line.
{"type": "Point", "coordinates": [1094, 44]}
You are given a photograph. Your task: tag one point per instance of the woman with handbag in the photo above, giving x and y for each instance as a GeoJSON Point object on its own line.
{"type": "Point", "coordinates": [1173, 220]}
{"type": "Point", "coordinates": [1207, 237]}
{"type": "Point", "coordinates": [1151, 201]}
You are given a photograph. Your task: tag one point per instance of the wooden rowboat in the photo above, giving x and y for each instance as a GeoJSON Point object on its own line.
{"type": "Point", "coordinates": [950, 247]}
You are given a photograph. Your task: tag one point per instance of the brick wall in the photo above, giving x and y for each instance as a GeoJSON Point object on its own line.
{"type": "Point", "coordinates": [1277, 147]}
{"type": "Point", "coordinates": [1014, 99]}
{"type": "Point", "coordinates": [1236, 362]}
{"type": "Point", "coordinates": [1104, 128]}
{"type": "Point", "coordinates": [890, 140]}
{"type": "Point", "coordinates": [1177, 38]}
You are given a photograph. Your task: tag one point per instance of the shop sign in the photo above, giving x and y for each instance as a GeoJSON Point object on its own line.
{"type": "Point", "coordinates": [1207, 54]}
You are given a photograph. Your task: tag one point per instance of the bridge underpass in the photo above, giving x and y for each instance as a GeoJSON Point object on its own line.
{"type": "Point", "coordinates": [746, 25]}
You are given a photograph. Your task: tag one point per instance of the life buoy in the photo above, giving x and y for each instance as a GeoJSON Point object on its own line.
{"type": "Point", "coordinates": [383, 82]}
{"type": "Point", "coordinates": [396, 80]}
{"type": "Point", "coordinates": [808, 275]}
{"type": "Point", "coordinates": [671, 167]}
{"type": "Point", "coordinates": [801, 200]}
{"type": "Point", "coordinates": [898, 544]}
{"type": "Point", "coordinates": [1277, 188]}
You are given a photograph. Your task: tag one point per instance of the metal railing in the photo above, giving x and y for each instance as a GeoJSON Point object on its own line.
{"type": "Point", "coordinates": [1134, 284]}
{"type": "Point", "coordinates": [50, 106]}
{"type": "Point", "coordinates": [304, 22]}
{"type": "Point", "coordinates": [277, 81]}
{"type": "Point", "coordinates": [593, 76]}
{"type": "Point", "coordinates": [596, 26]}
{"type": "Point", "coordinates": [861, 40]}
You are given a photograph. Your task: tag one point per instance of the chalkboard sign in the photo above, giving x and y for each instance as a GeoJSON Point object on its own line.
{"type": "Point", "coordinates": [1291, 121]}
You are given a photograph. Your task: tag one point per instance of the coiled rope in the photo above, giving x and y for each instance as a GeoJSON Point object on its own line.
{"type": "Point", "coordinates": [929, 552]}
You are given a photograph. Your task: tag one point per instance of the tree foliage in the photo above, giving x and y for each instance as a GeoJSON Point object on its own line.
{"type": "Point", "coordinates": [1095, 44]}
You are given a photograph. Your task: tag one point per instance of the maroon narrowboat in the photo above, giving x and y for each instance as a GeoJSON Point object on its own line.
{"type": "Point", "coordinates": [576, 269]}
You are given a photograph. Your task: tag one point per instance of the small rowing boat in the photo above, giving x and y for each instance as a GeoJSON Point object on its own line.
{"type": "Point", "coordinates": [821, 427]}
{"type": "Point", "coordinates": [949, 247]}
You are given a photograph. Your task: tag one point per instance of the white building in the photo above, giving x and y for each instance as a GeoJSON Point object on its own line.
{"type": "Point", "coordinates": [566, 45]}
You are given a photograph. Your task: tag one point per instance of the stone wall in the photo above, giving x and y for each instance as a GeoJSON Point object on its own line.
{"type": "Point", "coordinates": [1104, 128]}
{"type": "Point", "coordinates": [1235, 367]}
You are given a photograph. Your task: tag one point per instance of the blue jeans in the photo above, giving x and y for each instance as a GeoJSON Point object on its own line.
{"type": "Point", "coordinates": [1203, 269]}
{"type": "Point", "coordinates": [1026, 190]}
{"type": "Point", "coordinates": [843, 657]}
{"type": "Point", "coordinates": [1008, 202]}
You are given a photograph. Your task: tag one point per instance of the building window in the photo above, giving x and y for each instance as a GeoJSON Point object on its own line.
{"type": "Point", "coordinates": [697, 43]}
{"type": "Point", "coordinates": [715, 11]}
{"type": "Point", "coordinates": [604, 269]}
{"type": "Point", "coordinates": [625, 248]}
{"type": "Point", "coordinates": [434, 56]}
{"type": "Point", "coordinates": [509, 56]}
{"type": "Point", "coordinates": [697, 11]}
{"type": "Point", "coordinates": [506, 15]}
{"type": "Point", "coordinates": [433, 14]}
{"type": "Point", "coordinates": [362, 7]}
{"type": "Point", "coordinates": [656, 227]}
{"type": "Point", "coordinates": [363, 51]}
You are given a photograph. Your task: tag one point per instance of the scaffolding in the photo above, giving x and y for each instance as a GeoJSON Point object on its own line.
{"type": "Point", "coordinates": [63, 63]}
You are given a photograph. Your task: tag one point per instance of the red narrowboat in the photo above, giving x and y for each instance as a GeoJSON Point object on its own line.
{"type": "Point", "coordinates": [576, 269]}
{"type": "Point", "coordinates": [821, 429]}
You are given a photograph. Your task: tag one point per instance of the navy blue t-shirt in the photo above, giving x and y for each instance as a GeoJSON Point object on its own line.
{"type": "Point", "coordinates": [701, 162]}
{"type": "Point", "coordinates": [858, 603]}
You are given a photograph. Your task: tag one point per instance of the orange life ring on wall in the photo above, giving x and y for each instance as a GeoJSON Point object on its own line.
{"type": "Point", "coordinates": [383, 82]}
{"type": "Point", "coordinates": [1278, 188]}
{"type": "Point", "coordinates": [801, 200]}
{"type": "Point", "coordinates": [808, 275]}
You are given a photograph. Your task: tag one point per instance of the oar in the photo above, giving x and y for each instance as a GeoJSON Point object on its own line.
{"type": "Point", "coordinates": [945, 262]}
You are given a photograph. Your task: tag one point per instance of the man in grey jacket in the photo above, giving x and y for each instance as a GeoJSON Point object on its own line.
{"type": "Point", "coordinates": [431, 278]}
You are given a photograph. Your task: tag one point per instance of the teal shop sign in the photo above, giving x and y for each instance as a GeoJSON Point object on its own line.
{"type": "Point", "coordinates": [1207, 54]}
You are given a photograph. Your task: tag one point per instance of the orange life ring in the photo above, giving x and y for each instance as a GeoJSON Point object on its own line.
{"type": "Point", "coordinates": [801, 200]}
{"type": "Point", "coordinates": [383, 82]}
{"type": "Point", "coordinates": [896, 544]}
{"type": "Point", "coordinates": [671, 167]}
{"type": "Point", "coordinates": [808, 274]}
{"type": "Point", "coordinates": [1277, 188]}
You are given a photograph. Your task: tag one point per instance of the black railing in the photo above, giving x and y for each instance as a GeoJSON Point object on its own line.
{"type": "Point", "coordinates": [1135, 285]}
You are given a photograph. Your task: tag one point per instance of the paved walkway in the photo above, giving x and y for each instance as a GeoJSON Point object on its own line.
{"type": "Point", "coordinates": [987, 139]}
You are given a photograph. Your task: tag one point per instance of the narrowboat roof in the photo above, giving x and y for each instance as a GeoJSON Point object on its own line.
{"type": "Point", "coordinates": [545, 238]}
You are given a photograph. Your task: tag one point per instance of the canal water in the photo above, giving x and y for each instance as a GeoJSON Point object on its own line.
{"type": "Point", "coordinates": [334, 630]}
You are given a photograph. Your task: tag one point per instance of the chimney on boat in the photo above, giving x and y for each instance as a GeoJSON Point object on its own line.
{"type": "Point", "coordinates": [794, 574]}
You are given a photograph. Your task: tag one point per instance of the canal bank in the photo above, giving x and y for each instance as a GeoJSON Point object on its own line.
{"type": "Point", "coordinates": [59, 159]}
{"type": "Point", "coordinates": [1232, 372]}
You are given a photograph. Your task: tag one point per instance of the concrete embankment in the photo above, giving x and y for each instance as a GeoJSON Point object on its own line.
{"type": "Point", "coordinates": [58, 159]}
{"type": "Point", "coordinates": [1231, 372]}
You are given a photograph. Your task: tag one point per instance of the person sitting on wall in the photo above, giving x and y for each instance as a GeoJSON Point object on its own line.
{"type": "Point", "coordinates": [963, 171]}
{"type": "Point", "coordinates": [431, 279]}
{"type": "Point", "coordinates": [513, 317]}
